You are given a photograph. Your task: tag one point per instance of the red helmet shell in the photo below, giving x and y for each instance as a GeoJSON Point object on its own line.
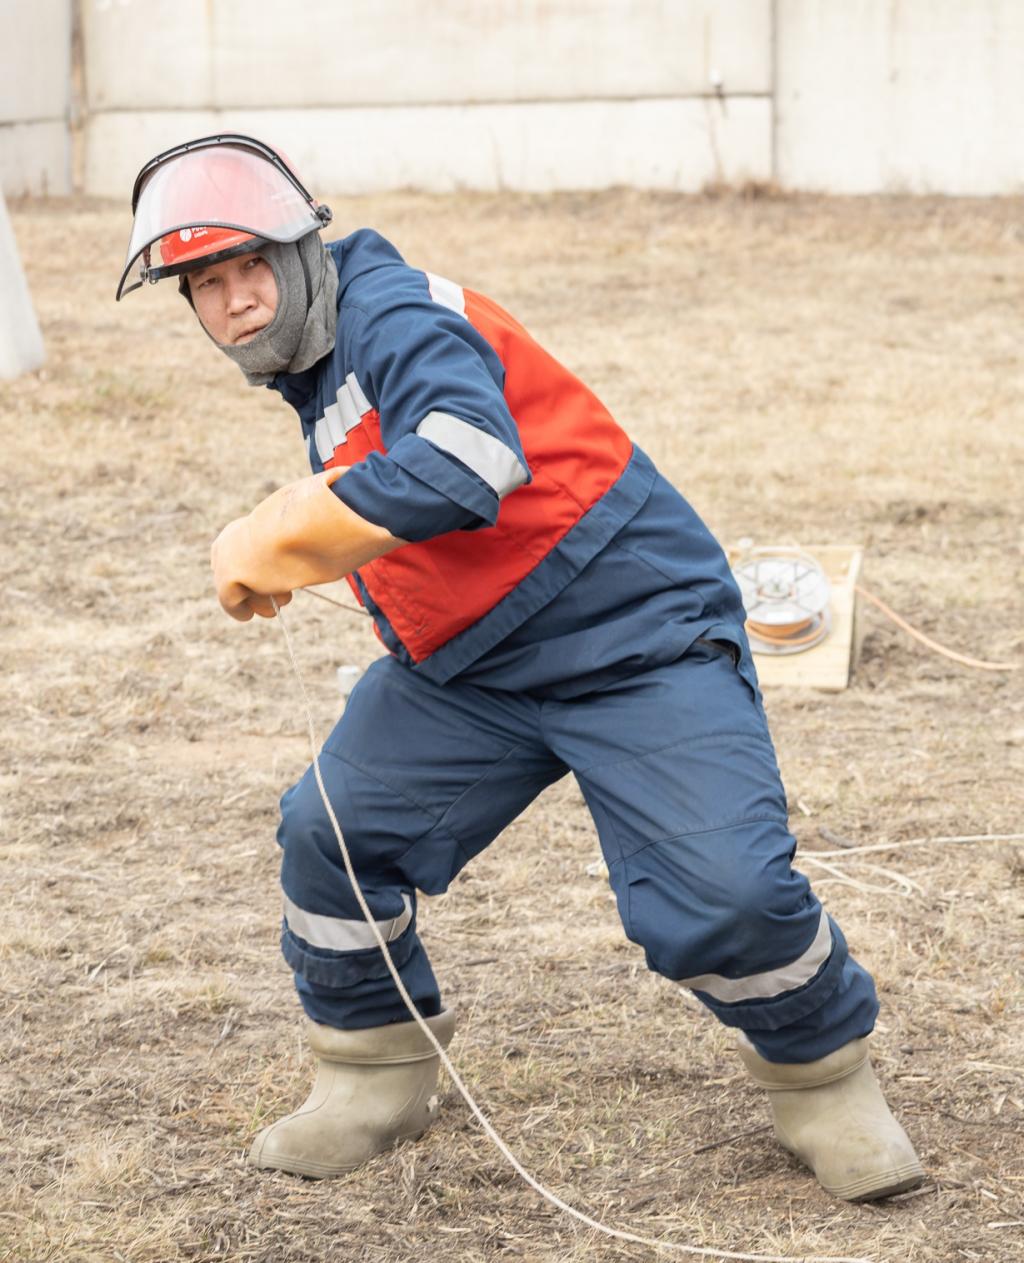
{"type": "Point", "coordinates": [191, 245]}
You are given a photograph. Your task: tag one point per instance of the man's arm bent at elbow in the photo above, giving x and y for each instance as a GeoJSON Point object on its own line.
{"type": "Point", "coordinates": [300, 535]}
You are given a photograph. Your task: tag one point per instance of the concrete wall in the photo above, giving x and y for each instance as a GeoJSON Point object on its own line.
{"type": "Point", "coordinates": [847, 96]}
{"type": "Point", "coordinates": [243, 54]}
{"type": "Point", "coordinates": [35, 78]}
{"type": "Point", "coordinates": [486, 94]}
{"type": "Point", "coordinates": [905, 96]}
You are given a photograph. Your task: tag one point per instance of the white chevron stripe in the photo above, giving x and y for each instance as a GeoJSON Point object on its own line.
{"type": "Point", "coordinates": [335, 427]}
{"type": "Point", "coordinates": [331, 430]}
{"type": "Point", "coordinates": [363, 405]}
{"type": "Point", "coordinates": [322, 439]}
{"type": "Point", "coordinates": [350, 414]}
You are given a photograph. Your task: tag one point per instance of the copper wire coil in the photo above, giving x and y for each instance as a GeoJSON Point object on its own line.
{"type": "Point", "coordinates": [805, 632]}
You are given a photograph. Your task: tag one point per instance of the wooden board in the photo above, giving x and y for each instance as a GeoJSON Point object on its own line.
{"type": "Point", "coordinates": [829, 664]}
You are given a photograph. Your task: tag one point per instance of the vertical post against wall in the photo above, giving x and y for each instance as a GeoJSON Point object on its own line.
{"type": "Point", "coordinates": [78, 103]}
{"type": "Point", "coordinates": [773, 90]}
{"type": "Point", "coordinates": [21, 343]}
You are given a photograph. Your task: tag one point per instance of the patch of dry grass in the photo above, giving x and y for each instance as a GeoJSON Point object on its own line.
{"type": "Point", "coordinates": [826, 370]}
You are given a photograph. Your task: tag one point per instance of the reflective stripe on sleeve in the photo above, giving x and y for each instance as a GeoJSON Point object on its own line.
{"type": "Point", "coordinates": [447, 293]}
{"type": "Point", "coordinates": [348, 409]}
{"type": "Point", "coordinates": [485, 455]}
{"type": "Point", "coordinates": [362, 404]}
{"type": "Point", "coordinates": [322, 439]}
{"type": "Point", "coordinates": [337, 934]}
{"type": "Point", "coordinates": [333, 424]}
{"type": "Point", "coordinates": [772, 982]}
{"type": "Point", "coordinates": [331, 430]}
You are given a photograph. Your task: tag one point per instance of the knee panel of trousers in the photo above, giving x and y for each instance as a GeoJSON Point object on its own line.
{"type": "Point", "coordinates": [377, 823]}
{"type": "Point", "coordinates": [432, 862]}
{"type": "Point", "coordinates": [726, 901]}
{"type": "Point", "coordinates": [694, 786]}
{"type": "Point", "coordinates": [384, 834]}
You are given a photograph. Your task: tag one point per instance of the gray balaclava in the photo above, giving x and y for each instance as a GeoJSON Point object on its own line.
{"type": "Point", "coordinates": [304, 327]}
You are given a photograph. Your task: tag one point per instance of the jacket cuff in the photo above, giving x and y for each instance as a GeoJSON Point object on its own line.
{"type": "Point", "coordinates": [447, 476]}
{"type": "Point", "coordinates": [380, 490]}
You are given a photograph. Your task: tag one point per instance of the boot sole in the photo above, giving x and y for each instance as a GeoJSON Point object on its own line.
{"type": "Point", "coordinates": [322, 1171]}
{"type": "Point", "coordinates": [869, 1189]}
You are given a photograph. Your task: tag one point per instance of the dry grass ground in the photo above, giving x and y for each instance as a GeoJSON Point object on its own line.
{"type": "Point", "coordinates": [803, 369]}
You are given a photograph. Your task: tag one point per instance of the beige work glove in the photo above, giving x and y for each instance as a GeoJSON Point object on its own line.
{"type": "Point", "coordinates": [301, 535]}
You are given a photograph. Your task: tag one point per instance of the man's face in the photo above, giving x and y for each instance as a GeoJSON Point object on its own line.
{"type": "Point", "coordinates": [234, 299]}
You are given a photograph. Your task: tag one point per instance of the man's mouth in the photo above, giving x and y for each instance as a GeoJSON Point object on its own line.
{"type": "Point", "coordinates": [248, 334]}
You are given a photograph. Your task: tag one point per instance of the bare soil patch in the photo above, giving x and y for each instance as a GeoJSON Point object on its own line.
{"type": "Point", "coordinates": [804, 369]}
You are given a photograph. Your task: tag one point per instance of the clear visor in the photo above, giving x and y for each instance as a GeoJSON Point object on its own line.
{"type": "Point", "coordinates": [221, 186]}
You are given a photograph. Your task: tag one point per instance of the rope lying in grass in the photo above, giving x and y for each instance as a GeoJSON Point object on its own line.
{"type": "Point", "coordinates": [876, 847]}
{"type": "Point", "coordinates": [898, 882]}
{"type": "Point", "coordinates": [934, 645]}
{"type": "Point", "coordinates": [618, 1233]}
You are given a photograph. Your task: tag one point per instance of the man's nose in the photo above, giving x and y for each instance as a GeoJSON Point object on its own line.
{"type": "Point", "coordinates": [240, 297]}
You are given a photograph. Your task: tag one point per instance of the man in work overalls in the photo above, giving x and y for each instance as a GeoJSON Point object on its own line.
{"type": "Point", "coordinates": [550, 603]}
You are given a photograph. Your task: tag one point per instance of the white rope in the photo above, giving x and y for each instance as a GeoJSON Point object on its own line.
{"type": "Point", "coordinates": [878, 847]}
{"type": "Point", "coordinates": [618, 1233]}
{"type": "Point", "coordinates": [897, 881]}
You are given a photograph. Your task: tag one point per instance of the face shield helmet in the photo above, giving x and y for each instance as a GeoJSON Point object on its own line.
{"type": "Point", "coordinates": [212, 198]}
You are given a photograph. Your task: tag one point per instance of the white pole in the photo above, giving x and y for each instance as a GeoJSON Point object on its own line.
{"type": "Point", "coordinates": [21, 343]}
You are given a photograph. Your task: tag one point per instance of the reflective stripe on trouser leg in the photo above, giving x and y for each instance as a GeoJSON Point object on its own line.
{"type": "Point", "coordinates": [421, 778]}
{"type": "Point", "coordinates": [846, 1013]}
{"type": "Point", "coordinates": [724, 913]}
{"type": "Point", "coordinates": [341, 934]}
{"type": "Point", "coordinates": [341, 976]}
{"type": "Point", "coordinates": [340, 973]}
{"type": "Point", "coordinates": [305, 933]}
{"type": "Point", "coordinates": [784, 974]}
{"type": "Point", "coordinates": [770, 983]}
{"type": "Point", "coordinates": [679, 773]}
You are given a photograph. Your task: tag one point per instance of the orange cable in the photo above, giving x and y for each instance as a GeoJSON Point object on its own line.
{"type": "Point", "coordinates": [932, 644]}
{"type": "Point", "coordinates": [790, 635]}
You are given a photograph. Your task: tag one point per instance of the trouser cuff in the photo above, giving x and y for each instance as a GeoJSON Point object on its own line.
{"type": "Point", "coordinates": [791, 1006]}
{"type": "Point", "coordinates": [355, 990]}
{"type": "Point", "coordinates": [323, 967]}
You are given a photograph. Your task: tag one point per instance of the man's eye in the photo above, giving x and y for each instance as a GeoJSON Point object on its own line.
{"type": "Point", "coordinates": [256, 258]}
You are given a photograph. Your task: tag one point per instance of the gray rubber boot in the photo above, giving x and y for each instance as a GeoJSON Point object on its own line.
{"type": "Point", "coordinates": [374, 1088]}
{"type": "Point", "coordinates": [831, 1114]}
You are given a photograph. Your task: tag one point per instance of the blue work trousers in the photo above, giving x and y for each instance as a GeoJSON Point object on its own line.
{"type": "Point", "coordinates": [678, 771]}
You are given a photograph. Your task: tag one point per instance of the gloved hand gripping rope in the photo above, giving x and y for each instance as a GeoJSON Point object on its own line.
{"type": "Point", "coordinates": [617, 1233]}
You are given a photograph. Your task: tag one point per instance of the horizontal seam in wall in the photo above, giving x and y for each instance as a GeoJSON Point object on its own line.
{"type": "Point", "coordinates": [424, 105]}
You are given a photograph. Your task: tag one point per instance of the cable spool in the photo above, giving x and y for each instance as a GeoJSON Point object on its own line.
{"type": "Point", "coordinates": [786, 595]}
